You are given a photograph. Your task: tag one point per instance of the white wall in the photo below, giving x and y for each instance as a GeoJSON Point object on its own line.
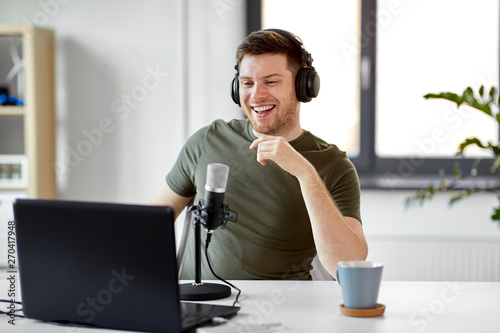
{"type": "Point", "coordinates": [384, 215]}
{"type": "Point", "coordinates": [129, 64]}
{"type": "Point", "coordinates": [435, 241]}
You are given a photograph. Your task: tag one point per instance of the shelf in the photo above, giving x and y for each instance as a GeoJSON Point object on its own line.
{"type": "Point", "coordinates": [15, 29]}
{"type": "Point", "coordinates": [11, 110]}
{"type": "Point", "coordinates": [4, 190]}
{"type": "Point", "coordinates": [37, 126]}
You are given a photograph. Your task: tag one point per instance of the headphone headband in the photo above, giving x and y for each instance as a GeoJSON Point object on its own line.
{"type": "Point", "coordinates": [298, 42]}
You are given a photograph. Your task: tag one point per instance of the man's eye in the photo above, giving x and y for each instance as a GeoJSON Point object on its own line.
{"type": "Point", "coordinates": [271, 82]}
{"type": "Point", "coordinates": [246, 83]}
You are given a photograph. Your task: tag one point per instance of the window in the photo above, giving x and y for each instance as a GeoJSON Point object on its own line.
{"type": "Point", "coordinates": [377, 59]}
{"type": "Point", "coordinates": [448, 48]}
{"type": "Point", "coordinates": [337, 103]}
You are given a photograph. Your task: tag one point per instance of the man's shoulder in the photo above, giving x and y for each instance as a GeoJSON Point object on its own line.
{"type": "Point", "coordinates": [221, 125]}
{"type": "Point", "coordinates": [320, 151]}
{"type": "Point", "coordinates": [235, 124]}
{"type": "Point", "coordinates": [316, 143]}
{"type": "Point", "coordinates": [238, 127]}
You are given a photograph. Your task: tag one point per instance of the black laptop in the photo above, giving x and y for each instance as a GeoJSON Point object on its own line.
{"type": "Point", "coordinates": [105, 265]}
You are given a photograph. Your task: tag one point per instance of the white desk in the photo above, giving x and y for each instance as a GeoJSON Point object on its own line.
{"type": "Point", "coordinates": [308, 306]}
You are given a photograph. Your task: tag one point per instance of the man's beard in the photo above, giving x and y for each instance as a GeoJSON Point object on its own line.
{"type": "Point", "coordinates": [282, 123]}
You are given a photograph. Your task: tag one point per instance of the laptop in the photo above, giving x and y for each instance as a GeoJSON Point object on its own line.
{"type": "Point", "coordinates": [103, 264]}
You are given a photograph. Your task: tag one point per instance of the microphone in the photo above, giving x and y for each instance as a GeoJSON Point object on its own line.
{"type": "Point", "coordinates": [215, 188]}
{"type": "Point", "coordinates": [213, 214]}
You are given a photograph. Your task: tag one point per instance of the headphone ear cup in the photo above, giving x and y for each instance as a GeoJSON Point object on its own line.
{"type": "Point", "coordinates": [235, 89]}
{"type": "Point", "coordinates": [300, 85]}
{"type": "Point", "coordinates": [313, 83]}
{"type": "Point", "coordinates": [307, 84]}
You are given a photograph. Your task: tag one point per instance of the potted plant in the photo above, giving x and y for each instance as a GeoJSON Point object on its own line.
{"type": "Point", "coordinates": [488, 103]}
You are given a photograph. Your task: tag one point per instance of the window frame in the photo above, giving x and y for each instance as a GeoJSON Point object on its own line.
{"type": "Point", "coordinates": [375, 172]}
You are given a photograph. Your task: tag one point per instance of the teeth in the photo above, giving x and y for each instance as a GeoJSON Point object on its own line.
{"type": "Point", "coordinates": [262, 108]}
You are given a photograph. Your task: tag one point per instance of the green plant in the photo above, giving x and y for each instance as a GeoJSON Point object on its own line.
{"type": "Point", "coordinates": [488, 103]}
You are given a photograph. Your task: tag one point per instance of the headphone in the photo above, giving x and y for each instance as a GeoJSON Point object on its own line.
{"type": "Point", "coordinates": [306, 82]}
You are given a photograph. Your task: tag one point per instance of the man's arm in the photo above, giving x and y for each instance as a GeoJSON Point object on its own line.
{"type": "Point", "coordinates": [166, 197]}
{"type": "Point", "coordinates": [336, 237]}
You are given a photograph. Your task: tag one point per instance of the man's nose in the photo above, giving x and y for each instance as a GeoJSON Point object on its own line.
{"type": "Point", "coordinates": [260, 92]}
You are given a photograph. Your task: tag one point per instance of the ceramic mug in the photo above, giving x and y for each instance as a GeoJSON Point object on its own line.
{"type": "Point", "coordinates": [360, 283]}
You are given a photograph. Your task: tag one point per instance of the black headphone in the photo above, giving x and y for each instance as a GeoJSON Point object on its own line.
{"type": "Point", "coordinates": [307, 79]}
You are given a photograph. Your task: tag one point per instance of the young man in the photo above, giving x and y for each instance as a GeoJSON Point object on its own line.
{"type": "Point", "coordinates": [296, 195]}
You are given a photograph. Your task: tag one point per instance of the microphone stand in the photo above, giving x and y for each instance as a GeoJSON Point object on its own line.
{"type": "Point", "coordinates": [198, 290]}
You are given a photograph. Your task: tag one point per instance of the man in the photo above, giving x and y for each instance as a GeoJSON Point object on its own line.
{"type": "Point", "coordinates": [296, 196]}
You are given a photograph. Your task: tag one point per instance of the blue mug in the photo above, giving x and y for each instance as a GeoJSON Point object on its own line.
{"type": "Point", "coordinates": [360, 283]}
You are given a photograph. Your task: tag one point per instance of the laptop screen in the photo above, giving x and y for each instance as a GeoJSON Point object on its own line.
{"type": "Point", "coordinates": [109, 265]}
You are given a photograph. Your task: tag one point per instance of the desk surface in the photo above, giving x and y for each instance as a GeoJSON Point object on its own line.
{"type": "Point", "coordinates": [313, 306]}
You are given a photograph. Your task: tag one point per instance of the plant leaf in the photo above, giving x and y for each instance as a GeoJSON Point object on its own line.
{"type": "Point", "coordinates": [466, 98]}
{"type": "Point", "coordinates": [496, 164]}
{"type": "Point", "coordinates": [477, 142]}
{"type": "Point", "coordinates": [456, 198]}
{"type": "Point", "coordinates": [496, 213]}
{"type": "Point", "coordinates": [458, 172]}
{"type": "Point", "coordinates": [470, 141]}
{"type": "Point", "coordinates": [492, 94]}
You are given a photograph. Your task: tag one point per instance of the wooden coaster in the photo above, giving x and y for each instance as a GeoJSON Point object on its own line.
{"type": "Point", "coordinates": [378, 311]}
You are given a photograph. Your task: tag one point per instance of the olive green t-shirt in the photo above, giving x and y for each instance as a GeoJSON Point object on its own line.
{"type": "Point", "coordinates": [272, 238]}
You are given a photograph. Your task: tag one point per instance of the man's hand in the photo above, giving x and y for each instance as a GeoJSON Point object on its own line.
{"type": "Point", "coordinates": [277, 149]}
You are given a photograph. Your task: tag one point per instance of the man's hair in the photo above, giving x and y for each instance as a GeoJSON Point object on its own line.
{"type": "Point", "coordinates": [266, 41]}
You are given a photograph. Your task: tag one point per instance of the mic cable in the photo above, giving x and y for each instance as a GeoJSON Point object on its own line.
{"type": "Point", "coordinates": [209, 236]}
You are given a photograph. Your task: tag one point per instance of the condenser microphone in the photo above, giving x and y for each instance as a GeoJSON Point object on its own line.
{"type": "Point", "coordinates": [215, 188]}
{"type": "Point", "coordinates": [211, 214]}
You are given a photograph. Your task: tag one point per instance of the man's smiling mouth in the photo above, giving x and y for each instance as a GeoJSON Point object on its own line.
{"type": "Point", "coordinates": [262, 109]}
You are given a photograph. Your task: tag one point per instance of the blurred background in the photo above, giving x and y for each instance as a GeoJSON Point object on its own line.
{"type": "Point", "coordinates": [158, 70]}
